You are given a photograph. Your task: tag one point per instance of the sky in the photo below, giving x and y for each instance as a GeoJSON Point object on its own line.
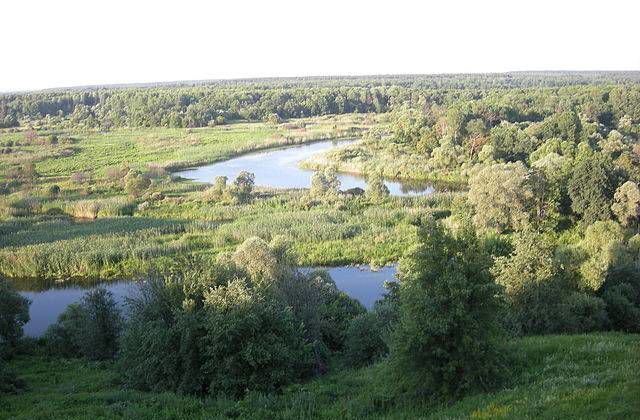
{"type": "Point", "coordinates": [74, 43]}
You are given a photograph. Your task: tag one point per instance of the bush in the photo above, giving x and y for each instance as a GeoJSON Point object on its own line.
{"type": "Point", "coordinates": [14, 314]}
{"type": "Point", "coordinates": [62, 338]}
{"type": "Point", "coordinates": [325, 183]}
{"type": "Point", "coordinates": [376, 189]}
{"type": "Point", "coordinates": [251, 341]}
{"type": "Point", "coordinates": [242, 187]}
{"type": "Point", "coordinates": [54, 190]}
{"type": "Point", "coordinates": [136, 183]}
{"type": "Point", "coordinates": [623, 307]}
{"type": "Point", "coordinates": [90, 329]}
{"type": "Point", "coordinates": [10, 383]}
{"type": "Point", "coordinates": [364, 342]}
{"type": "Point", "coordinates": [585, 313]}
{"type": "Point", "coordinates": [446, 342]}
{"type": "Point", "coordinates": [160, 347]}
{"type": "Point", "coordinates": [532, 286]}
{"type": "Point", "coordinates": [216, 191]}
{"type": "Point", "coordinates": [83, 209]}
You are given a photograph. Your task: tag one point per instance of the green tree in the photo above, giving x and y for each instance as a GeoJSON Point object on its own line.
{"type": "Point", "coordinates": [502, 197]}
{"type": "Point", "coordinates": [325, 183]}
{"type": "Point", "coordinates": [91, 328]}
{"type": "Point", "coordinates": [376, 189]}
{"type": "Point", "coordinates": [446, 341]}
{"type": "Point", "coordinates": [364, 342]}
{"type": "Point", "coordinates": [242, 187]}
{"type": "Point", "coordinates": [602, 249]}
{"type": "Point", "coordinates": [216, 191]}
{"type": "Point", "coordinates": [591, 188]}
{"type": "Point", "coordinates": [14, 314]}
{"type": "Point", "coordinates": [626, 204]}
{"type": "Point", "coordinates": [251, 342]}
{"type": "Point", "coordinates": [135, 183]}
{"type": "Point", "coordinates": [532, 285]}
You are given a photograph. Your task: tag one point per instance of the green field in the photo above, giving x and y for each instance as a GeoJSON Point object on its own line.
{"type": "Point", "coordinates": [560, 377]}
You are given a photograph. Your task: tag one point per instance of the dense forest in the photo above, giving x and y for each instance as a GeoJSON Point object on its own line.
{"type": "Point", "coordinates": [520, 96]}
{"type": "Point", "coordinates": [518, 285]}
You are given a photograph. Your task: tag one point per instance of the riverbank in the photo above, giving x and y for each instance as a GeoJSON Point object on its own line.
{"type": "Point", "coordinates": [405, 166]}
{"type": "Point", "coordinates": [590, 376]}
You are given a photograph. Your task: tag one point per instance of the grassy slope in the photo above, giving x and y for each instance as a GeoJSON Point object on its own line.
{"type": "Point", "coordinates": [586, 376]}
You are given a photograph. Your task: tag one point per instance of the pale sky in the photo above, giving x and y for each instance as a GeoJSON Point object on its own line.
{"type": "Point", "coordinates": [69, 43]}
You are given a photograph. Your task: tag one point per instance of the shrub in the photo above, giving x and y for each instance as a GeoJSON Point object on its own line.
{"type": "Point", "coordinates": [251, 342]}
{"type": "Point", "coordinates": [364, 342]}
{"type": "Point", "coordinates": [54, 190]}
{"type": "Point", "coordinates": [10, 383]}
{"type": "Point", "coordinates": [446, 342]}
{"type": "Point", "coordinates": [62, 338]}
{"type": "Point", "coordinates": [90, 329]}
{"type": "Point", "coordinates": [160, 347]}
{"type": "Point", "coordinates": [117, 173]}
{"type": "Point", "coordinates": [585, 313]}
{"type": "Point", "coordinates": [623, 307]}
{"type": "Point", "coordinates": [242, 187]}
{"type": "Point", "coordinates": [83, 209]}
{"type": "Point", "coordinates": [532, 286]}
{"type": "Point", "coordinates": [79, 177]}
{"type": "Point", "coordinates": [136, 183]}
{"type": "Point", "coordinates": [14, 314]}
{"type": "Point", "coordinates": [376, 189]}
{"type": "Point", "coordinates": [325, 183]}
{"type": "Point", "coordinates": [216, 191]}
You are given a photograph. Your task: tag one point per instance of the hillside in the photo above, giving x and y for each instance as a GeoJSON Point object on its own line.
{"type": "Point", "coordinates": [582, 376]}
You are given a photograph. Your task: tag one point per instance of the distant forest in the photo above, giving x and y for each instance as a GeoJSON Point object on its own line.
{"type": "Point", "coordinates": [519, 96]}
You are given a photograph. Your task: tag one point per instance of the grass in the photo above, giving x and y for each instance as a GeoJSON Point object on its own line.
{"type": "Point", "coordinates": [82, 231]}
{"type": "Point", "coordinates": [94, 152]}
{"type": "Point", "coordinates": [558, 377]}
{"type": "Point", "coordinates": [327, 233]}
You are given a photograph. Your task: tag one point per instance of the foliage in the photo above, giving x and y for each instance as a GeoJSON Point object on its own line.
{"type": "Point", "coordinates": [558, 377]}
{"type": "Point", "coordinates": [10, 383]}
{"type": "Point", "coordinates": [376, 189]}
{"type": "Point", "coordinates": [242, 187]}
{"type": "Point", "coordinates": [251, 321]}
{"type": "Point", "coordinates": [250, 341]}
{"type": "Point", "coordinates": [90, 328]}
{"type": "Point", "coordinates": [446, 339]}
{"type": "Point", "coordinates": [502, 197]}
{"type": "Point", "coordinates": [591, 188]}
{"type": "Point", "coordinates": [364, 343]}
{"type": "Point", "coordinates": [325, 183]}
{"type": "Point", "coordinates": [533, 286]}
{"type": "Point", "coordinates": [14, 314]}
{"type": "Point", "coordinates": [626, 205]}
{"type": "Point", "coordinates": [135, 183]}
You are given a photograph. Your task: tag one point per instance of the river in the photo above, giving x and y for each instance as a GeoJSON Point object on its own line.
{"type": "Point", "coordinates": [280, 168]}
{"type": "Point", "coordinates": [48, 300]}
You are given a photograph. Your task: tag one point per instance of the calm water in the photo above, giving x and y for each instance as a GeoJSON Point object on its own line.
{"type": "Point", "coordinates": [48, 303]}
{"type": "Point", "coordinates": [52, 298]}
{"type": "Point", "coordinates": [278, 168]}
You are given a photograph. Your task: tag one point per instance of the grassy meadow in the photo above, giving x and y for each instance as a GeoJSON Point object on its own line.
{"type": "Point", "coordinates": [583, 376]}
